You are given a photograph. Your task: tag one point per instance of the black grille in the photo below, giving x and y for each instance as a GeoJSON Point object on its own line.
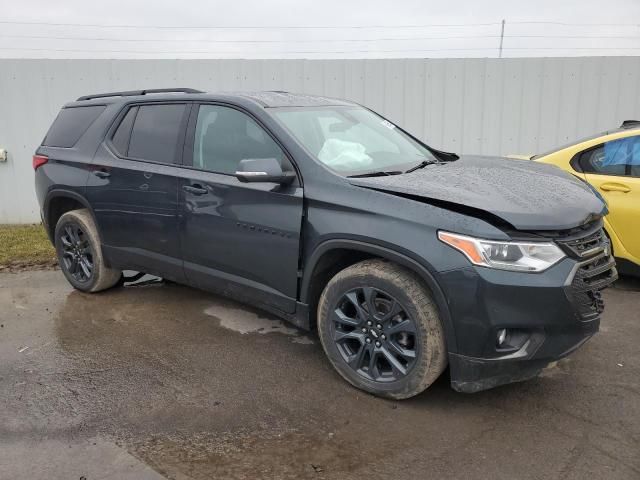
{"type": "Point", "coordinates": [589, 243]}
{"type": "Point", "coordinates": [585, 289]}
{"type": "Point", "coordinates": [596, 269]}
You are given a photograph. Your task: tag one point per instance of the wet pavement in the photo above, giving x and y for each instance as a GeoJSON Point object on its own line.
{"type": "Point", "coordinates": [163, 381]}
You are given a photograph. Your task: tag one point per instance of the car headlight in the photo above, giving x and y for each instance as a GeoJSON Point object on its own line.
{"type": "Point", "coordinates": [517, 256]}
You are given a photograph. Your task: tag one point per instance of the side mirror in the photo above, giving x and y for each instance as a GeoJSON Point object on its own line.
{"type": "Point", "coordinates": [254, 170]}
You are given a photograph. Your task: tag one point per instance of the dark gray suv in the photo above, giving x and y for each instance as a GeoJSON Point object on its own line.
{"type": "Point", "coordinates": [405, 258]}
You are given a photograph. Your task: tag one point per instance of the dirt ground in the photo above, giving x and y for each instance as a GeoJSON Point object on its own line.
{"type": "Point", "coordinates": [163, 381]}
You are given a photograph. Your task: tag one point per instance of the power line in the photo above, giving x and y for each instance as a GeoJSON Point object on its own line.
{"type": "Point", "coordinates": [306, 27]}
{"type": "Point", "coordinates": [502, 36]}
{"type": "Point", "coordinates": [573, 36]}
{"type": "Point", "coordinates": [262, 27]}
{"type": "Point", "coordinates": [236, 52]}
{"type": "Point", "coordinates": [572, 24]}
{"type": "Point", "coordinates": [47, 37]}
{"type": "Point", "coordinates": [382, 39]}
{"type": "Point", "coordinates": [315, 51]}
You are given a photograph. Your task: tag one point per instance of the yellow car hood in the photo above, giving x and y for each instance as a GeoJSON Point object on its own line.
{"type": "Point", "coordinates": [521, 157]}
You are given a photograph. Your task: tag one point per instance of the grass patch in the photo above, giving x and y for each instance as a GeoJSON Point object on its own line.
{"type": "Point", "coordinates": [24, 246]}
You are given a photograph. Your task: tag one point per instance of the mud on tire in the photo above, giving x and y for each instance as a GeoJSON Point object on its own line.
{"type": "Point", "coordinates": [397, 364]}
{"type": "Point", "coordinates": [80, 254]}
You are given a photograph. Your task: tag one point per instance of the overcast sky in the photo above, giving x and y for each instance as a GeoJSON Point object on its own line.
{"type": "Point", "coordinates": [316, 29]}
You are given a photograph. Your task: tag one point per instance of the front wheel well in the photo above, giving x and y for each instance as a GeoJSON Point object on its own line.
{"type": "Point", "coordinates": [343, 254]}
{"type": "Point", "coordinates": [327, 266]}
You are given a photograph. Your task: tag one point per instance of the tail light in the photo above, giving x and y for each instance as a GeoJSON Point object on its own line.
{"type": "Point", "coordinates": [39, 160]}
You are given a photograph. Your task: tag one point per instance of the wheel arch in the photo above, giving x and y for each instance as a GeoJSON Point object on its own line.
{"type": "Point", "coordinates": [60, 201]}
{"type": "Point", "coordinates": [349, 252]}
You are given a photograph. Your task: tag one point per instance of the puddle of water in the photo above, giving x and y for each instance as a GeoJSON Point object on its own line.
{"type": "Point", "coordinates": [88, 459]}
{"type": "Point", "coordinates": [244, 322]}
{"type": "Point", "coordinates": [136, 279]}
{"type": "Point", "coordinates": [258, 454]}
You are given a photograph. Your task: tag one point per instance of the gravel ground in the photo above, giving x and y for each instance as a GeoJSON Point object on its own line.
{"type": "Point", "coordinates": [162, 381]}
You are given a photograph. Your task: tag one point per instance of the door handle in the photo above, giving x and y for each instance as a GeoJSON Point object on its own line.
{"type": "Point", "coordinates": [195, 189]}
{"type": "Point", "coordinates": [101, 173]}
{"type": "Point", "coordinates": [614, 187]}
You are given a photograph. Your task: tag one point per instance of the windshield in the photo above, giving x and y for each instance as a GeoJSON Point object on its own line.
{"type": "Point", "coordinates": [352, 140]}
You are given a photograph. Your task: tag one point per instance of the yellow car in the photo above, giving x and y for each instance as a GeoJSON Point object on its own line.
{"type": "Point", "coordinates": [610, 162]}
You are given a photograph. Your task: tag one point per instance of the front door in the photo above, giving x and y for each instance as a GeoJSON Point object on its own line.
{"type": "Point", "coordinates": [614, 169]}
{"type": "Point", "coordinates": [241, 239]}
{"type": "Point", "coordinates": [133, 188]}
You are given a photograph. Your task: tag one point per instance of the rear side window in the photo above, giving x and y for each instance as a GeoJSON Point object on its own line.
{"type": "Point", "coordinates": [70, 125]}
{"type": "Point", "coordinates": [155, 132]}
{"type": "Point", "coordinates": [120, 139]}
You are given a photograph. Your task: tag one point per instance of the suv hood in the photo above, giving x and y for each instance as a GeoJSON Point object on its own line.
{"type": "Point", "coordinates": [527, 195]}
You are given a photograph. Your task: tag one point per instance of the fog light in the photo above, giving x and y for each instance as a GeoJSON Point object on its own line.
{"type": "Point", "coordinates": [502, 336]}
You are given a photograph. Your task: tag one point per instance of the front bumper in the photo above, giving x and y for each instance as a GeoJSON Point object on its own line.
{"type": "Point", "coordinates": [552, 314]}
{"type": "Point", "coordinates": [470, 375]}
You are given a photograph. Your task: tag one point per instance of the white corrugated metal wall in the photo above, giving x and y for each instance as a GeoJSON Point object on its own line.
{"type": "Point", "coordinates": [489, 106]}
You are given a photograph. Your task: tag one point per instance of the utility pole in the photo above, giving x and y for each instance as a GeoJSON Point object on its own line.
{"type": "Point", "coordinates": [501, 39]}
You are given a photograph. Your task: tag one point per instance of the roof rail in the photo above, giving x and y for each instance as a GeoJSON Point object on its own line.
{"type": "Point", "coordinates": [630, 124]}
{"type": "Point", "coordinates": [131, 93]}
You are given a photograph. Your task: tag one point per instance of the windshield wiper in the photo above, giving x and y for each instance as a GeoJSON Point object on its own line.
{"type": "Point", "coordinates": [444, 156]}
{"type": "Point", "coordinates": [422, 164]}
{"type": "Point", "coordinates": [376, 174]}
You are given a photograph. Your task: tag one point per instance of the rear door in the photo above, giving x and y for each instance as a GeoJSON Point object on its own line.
{"type": "Point", "coordinates": [614, 169]}
{"type": "Point", "coordinates": [133, 188]}
{"type": "Point", "coordinates": [241, 239]}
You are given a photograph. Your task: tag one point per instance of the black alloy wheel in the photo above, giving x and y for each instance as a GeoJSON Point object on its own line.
{"type": "Point", "coordinates": [77, 254]}
{"type": "Point", "coordinates": [375, 335]}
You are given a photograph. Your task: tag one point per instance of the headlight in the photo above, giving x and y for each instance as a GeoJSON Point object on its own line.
{"type": "Point", "coordinates": [518, 256]}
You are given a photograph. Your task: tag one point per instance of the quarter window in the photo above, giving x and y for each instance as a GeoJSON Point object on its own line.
{"type": "Point", "coordinates": [120, 139]}
{"type": "Point", "coordinates": [619, 157]}
{"type": "Point", "coordinates": [70, 125]}
{"type": "Point", "coordinates": [224, 136]}
{"type": "Point", "coordinates": [155, 132]}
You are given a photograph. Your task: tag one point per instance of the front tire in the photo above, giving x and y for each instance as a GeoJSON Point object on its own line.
{"type": "Point", "coordinates": [80, 255]}
{"type": "Point", "coordinates": [381, 330]}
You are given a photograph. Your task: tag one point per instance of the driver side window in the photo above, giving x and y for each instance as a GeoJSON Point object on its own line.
{"type": "Point", "coordinates": [619, 157]}
{"type": "Point", "coordinates": [224, 136]}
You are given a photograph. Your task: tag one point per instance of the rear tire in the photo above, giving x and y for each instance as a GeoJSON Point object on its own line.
{"type": "Point", "coordinates": [80, 254]}
{"type": "Point", "coordinates": [396, 352]}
